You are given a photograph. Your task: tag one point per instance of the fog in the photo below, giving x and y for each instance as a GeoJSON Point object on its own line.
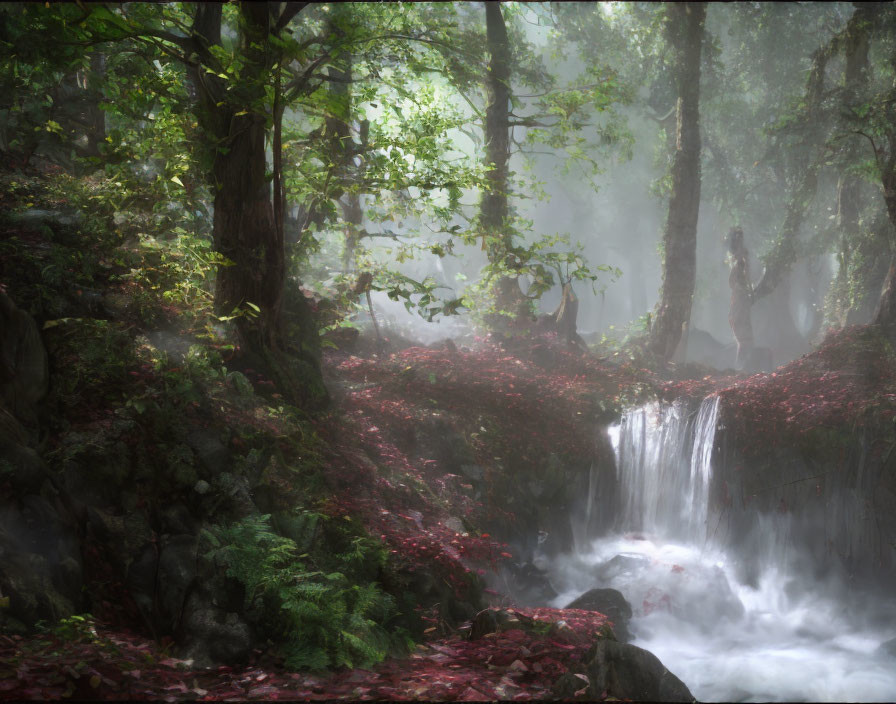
{"type": "Point", "coordinates": [617, 217]}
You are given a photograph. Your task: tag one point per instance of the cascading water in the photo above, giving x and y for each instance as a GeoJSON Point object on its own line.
{"type": "Point", "coordinates": [663, 468]}
{"type": "Point", "coordinates": [782, 637]}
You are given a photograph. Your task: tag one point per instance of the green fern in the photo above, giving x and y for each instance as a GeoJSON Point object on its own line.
{"type": "Point", "coordinates": [322, 602]}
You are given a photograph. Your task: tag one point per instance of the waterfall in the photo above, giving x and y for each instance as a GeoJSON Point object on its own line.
{"type": "Point", "coordinates": [663, 466]}
{"type": "Point", "coordinates": [727, 596]}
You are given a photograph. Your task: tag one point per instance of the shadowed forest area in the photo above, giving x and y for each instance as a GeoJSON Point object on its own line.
{"type": "Point", "coordinates": [459, 351]}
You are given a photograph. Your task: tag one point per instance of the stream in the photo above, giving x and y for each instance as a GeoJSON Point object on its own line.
{"type": "Point", "coordinates": [779, 636]}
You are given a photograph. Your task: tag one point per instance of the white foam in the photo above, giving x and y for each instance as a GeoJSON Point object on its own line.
{"type": "Point", "coordinates": [786, 638]}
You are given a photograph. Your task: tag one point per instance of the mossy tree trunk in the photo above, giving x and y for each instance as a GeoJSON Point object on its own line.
{"type": "Point", "coordinates": [684, 31]}
{"type": "Point", "coordinates": [236, 121]}
{"type": "Point", "coordinates": [494, 206]}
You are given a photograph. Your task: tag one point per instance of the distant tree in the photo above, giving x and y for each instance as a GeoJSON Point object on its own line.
{"type": "Point", "coordinates": [684, 31]}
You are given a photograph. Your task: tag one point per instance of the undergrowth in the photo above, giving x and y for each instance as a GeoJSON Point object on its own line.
{"type": "Point", "coordinates": [322, 604]}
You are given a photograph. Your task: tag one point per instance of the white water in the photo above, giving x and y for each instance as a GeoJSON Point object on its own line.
{"type": "Point", "coordinates": [786, 638]}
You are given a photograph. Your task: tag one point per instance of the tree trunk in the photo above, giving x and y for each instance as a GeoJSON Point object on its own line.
{"type": "Point", "coordinates": [96, 117]}
{"type": "Point", "coordinates": [684, 27]}
{"type": "Point", "coordinates": [784, 253]}
{"type": "Point", "coordinates": [342, 152]}
{"type": "Point", "coordinates": [245, 229]}
{"type": "Point", "coordinates": [494, 206]}
{"type": "Point", "coordinates": [885, 315]}
{"type": "Point", "coordinates": [853, 41]}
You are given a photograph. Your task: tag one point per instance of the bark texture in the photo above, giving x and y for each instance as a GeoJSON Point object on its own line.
{"type": "Point", "coordinates": [494, 207]}
{"type": "Point", "coordinates": [245, 229]}
{"type": "Point", "coordinates": [684, 31]}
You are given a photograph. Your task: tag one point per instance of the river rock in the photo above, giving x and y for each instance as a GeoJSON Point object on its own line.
{"type": "Point", "coordinates": [525, 583]}
{"type": "Point", "coordinates": [568, 684]}
{"type": "Point", "coordinates": [489, 621]}
{"type": "Point", "coordinates": [622, 565]}
{"type": "Point", "coordinates": [612, 604]}
{"type": "Point", "coordinates": [624, 671]}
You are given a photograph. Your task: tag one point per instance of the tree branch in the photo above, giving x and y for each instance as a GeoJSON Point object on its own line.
{"type": "Point", "coordinates": [290, 11]}
{"type": "Point", "coordinates": [565, 90]}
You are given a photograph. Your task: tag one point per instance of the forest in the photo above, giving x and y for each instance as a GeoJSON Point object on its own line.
{"type": "Point", "coordinates": [448, 351]}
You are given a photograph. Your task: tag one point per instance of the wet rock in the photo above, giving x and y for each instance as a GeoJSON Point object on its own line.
{"type": "Point", "coordinates": [24, 370]}
{"type": "Point", "coordinates": [141, 583]}
{"type": "Point", "coordinates": [201, 487]}
{"type": "Point", "coordinates": [236, 494]}
{"type": "Point", "coordinates": [40, 564]}
{"type": "Point", "coordinates": [625, 671]}
{"type": "Point", "coordinates": [83, 486]}
{"type": "Point", "coordinates": [177, 519]}
{"type": "Point", "coordinates": [176, 576]}
{"type": "Point", "coordinates": [488, 621]}
{"type": "Point", "coordinates": [526, 583]}
{"type": "Point", "coordinates": [19, 464]}
{"type": "Point", "coordinates": [562, 631]}
{"type": "Point", "coordinates": [622, 565]}
{"type": "Point", "coordinates": [569, 685]}
{"type": "Point", "coordinates": [124, 535]}
{"type": "Point", "coordinates": [210, 451]}
{"type": "Point", "coordinates": [214, 636]}
{"type": "Point", "coordinates": [612, 604]}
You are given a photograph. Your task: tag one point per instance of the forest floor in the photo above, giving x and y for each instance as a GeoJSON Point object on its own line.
{"type": "Point", "coordinates": [96, 663]}
{"type": "Point", "coordinates": [87, 660]}
{"type": "Point", "coordinates": [373, 458]}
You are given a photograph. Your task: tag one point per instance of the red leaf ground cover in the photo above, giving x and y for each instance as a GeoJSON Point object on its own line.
{"type": "Point", "coordinates": [516, 664]}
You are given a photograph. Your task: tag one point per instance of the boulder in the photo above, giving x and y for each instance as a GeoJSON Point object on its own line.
{"type": "Point", "coordinates": [570, 685]}
{"type": "Point", "coordinates": [24, 370]}
{"type": "Point", "coordinates": [625, 671]}
{"type": "Point", "coordinates": [19, 464]}
{"type": "Point", "coordinates": [622, 565]}
{"type": "Point", "coordinates": [525, 583]}
{"type": "Point", "coordinates": [40, 564]}
{"type": "Point", "coordinates": [210, 451]}
{"type": "Point", "coordinates": [489, 621]}
{"type": "Point", "coordinates": [176, 577]}
{"type": "Point", "coordinates": [612, 604]}
{"type": "Point", "coordinates": [214, 636]}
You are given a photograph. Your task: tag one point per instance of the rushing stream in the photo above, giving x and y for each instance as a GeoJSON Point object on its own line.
{"type": "Point", "coordinates": [783, 637]}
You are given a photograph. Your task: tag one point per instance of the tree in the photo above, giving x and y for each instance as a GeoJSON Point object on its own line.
{"type": "Point", "coordinates": [880, 131]}
{"type": "Point", "coordinates": [685, 37]}
{"type": "Point", "coordinates": [240, 99]}
{"type": "Point", "coordinates": [493, 205]}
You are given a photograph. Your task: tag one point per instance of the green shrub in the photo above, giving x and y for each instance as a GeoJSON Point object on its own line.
{"type": "Point", "coordinates": [314, 588]}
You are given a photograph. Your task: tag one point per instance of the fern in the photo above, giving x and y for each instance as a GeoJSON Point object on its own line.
{"type": "Point", "coordinates": [325, 617]}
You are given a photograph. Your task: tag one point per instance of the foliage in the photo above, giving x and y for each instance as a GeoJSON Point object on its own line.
{"type": "Point", "coordinates": [327, 618]}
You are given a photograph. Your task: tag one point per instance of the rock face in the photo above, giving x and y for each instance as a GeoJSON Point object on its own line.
{"type": "Point", "coordinates": [40, 560]}
{"type": "Point", "coordinates": [838, 504]}
{"type": "Point", "coordinates": [612, 604]}
{"type": "Point", "coordinates": [627, 672]}
{"type": "Point", "coordinates": [24, 374]}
